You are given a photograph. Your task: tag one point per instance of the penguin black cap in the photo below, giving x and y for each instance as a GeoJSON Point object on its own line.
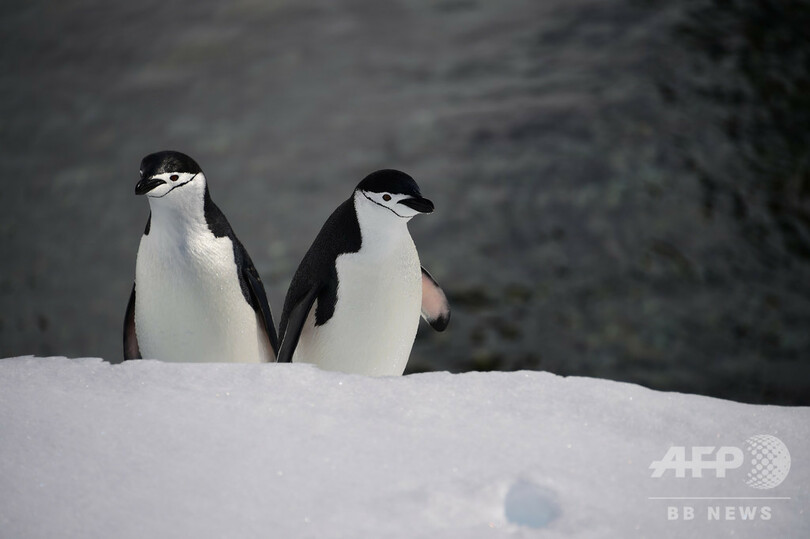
{"type": "Point", "coordinates": [396, 183]}
{"type": "Point", "coordinates": [390, 181]}
{"type": "Point", "coordinates": [168, 161]}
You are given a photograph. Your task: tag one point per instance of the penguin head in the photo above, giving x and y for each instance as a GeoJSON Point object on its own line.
{"type": "Point", "coordinates": [170, 175]}
{"type": "Point", "coordinates": [393, 192]}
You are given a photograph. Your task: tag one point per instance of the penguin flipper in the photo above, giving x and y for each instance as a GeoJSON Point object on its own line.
{"type": "Point", "coordinates": [259, 297]}
{"type": "Point", "coordinates": [295, 324]}
{"type": "Point", "coordinates": [131, 349]}
{"type": "Point", "coordinates": [435, 307]}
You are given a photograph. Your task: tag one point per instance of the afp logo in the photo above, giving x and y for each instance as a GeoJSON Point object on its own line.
{"type": "Point", "coordinates": [768, 457]}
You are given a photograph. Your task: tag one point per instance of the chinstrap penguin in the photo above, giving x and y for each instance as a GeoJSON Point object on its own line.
{"type": "Point", "coordinates": [197, 295]}
{"type": "Point", "coordinates": [355, 300]}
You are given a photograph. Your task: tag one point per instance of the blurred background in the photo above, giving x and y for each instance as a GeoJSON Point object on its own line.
{"type": "Point", "coordinates": [622, 187]}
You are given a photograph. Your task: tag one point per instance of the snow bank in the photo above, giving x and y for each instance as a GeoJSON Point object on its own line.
{"type": "Point", "coordinates": [147, 449]}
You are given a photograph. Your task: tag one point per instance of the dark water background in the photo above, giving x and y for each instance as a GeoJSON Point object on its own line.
{"type": "Point", "coordinates": [622, 187]}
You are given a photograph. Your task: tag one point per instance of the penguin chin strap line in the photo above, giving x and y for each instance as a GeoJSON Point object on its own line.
{"type": "Point", "coordinates": [181, 185]}
{"type": "Point", "coordinates": [375, 202]}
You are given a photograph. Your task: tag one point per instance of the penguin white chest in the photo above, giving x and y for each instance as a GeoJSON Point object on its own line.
{"type": "Point", "coordinates": [376, 315]}
{"type": "Point", "coordinates": [189, 305]}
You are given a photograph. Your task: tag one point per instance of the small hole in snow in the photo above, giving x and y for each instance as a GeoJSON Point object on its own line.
{"type": "Point", "coordinates": [531, 505]}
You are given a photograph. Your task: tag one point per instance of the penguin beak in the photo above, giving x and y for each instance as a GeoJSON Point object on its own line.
{"type": "Point", "coordinates": [147, 184]}
{"type": "Point", "coordinates": [422, 205]}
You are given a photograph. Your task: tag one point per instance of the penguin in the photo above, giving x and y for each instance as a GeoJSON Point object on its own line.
{"type": "Point", "coordinates": [197, 295]}
{"type": "Point", "coordinates": [354, 303]}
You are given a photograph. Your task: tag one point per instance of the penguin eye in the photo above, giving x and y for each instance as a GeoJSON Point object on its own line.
{"type": "Point", "coordinates": [386, 197]}
{"type": "Point", "coordinates": [174, 177]}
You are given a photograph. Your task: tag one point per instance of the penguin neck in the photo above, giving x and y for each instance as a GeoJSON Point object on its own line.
{"type": "Point", "coordinates": [380, 228]}
{"type": "Point", "coordinates": [180, 214]}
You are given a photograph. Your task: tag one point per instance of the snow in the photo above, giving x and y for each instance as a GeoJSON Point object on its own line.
{"type": "Point", "coordinates": [151, 449]}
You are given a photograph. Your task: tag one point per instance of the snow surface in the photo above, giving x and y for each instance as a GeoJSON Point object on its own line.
{"type": "Point", "coordinates": [150, 449]}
